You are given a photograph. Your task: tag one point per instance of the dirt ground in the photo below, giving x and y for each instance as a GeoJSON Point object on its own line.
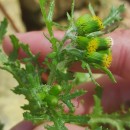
{"type": "Point", "coordinates": [10, 111]}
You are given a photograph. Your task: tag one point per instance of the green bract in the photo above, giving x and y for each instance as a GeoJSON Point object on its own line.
{"type": "Point", "coordinates": [51, 100]}
{"type": "Point", "coordinates": [103, 43]}
{"type": "Point", "coordinates": [42, 95]}
{"type": "Point", "coordinates": [86, 44]}
{"type": "Point", "coordinates": [82, 42]}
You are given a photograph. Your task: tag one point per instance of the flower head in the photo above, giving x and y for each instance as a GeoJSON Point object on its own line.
{"type": "Point", "coordinates": [100, 59]}
{"type": "Point", "coordinates": [84, 43]}
{"type": "Point", "coordinates": [88, 24]}
{"type": "Point", "coordinates": [104, 43]}
{"type": "Point", "coordinates": [92, 46]}
{"type": "Point", "coordinates": [99, 22]}
{"type": "Point", "coordinates": [107, 59]}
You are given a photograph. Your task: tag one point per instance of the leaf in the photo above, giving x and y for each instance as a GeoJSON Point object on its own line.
{"type": "Point", "coordinates": [67, 98]}
{"type": "Point", "coordinates": [91, 9]}
{"type": "Point", "coordinates": [42, 6]}
{"type": "Point", "coordinates": [77, 119]}
{"type": "Point", "coordinates": [3, 58]}
{"type": "Point", "coordinates": [105, 119]}
{"type": "Point", "coordinates": [49, 21]}
{"type": "Point", "coordinates": [124, 119]}
{"type": "Point", "coordinates": [20, 90]}
{"type": "Point", "coordinates": [114, 119]}
{"type": "Point", "coordinates": [99, 91]}
{"type": "Point", "coordinates": [61, 27]}
{"type": "Point", "coordinates": [72, 10]}
{"type": "Point", "coordinates": [75, 94]}
{"type": "Point", "coordinates": [86, 66]}
{"type": "Point", "coordinates": [97, 110]}
{"type": "Point", "coordinates": [107, 71]}
{"type": "Point", "coordinates": [81, 78]}
{"type": "Point", "coordinates": [35, 119]}
{"type": "Point", "coordinates": [3, 27]}
{"type": "Point", "coordinates": [96, 128]}
{"type": "Point", "coordinates": [51, 11]}
{"type": "Point", "coordinates": [68, 16]}
{"type": "Point", "coordinates": [75, 53]}
{"type": "Point", "coordinates": [26, 49]}
{"type": "Point", "coordinates": [16, 45]}
{"type": "Point", "coordinates": [119, 121]}
{"type": "Point", "coordinates": [47, 17]}
{"type": "Point", "coordinates": [69, 105]}
{"type": "Point", "coordinates": [99, 128]}
{"type": "Point", "coordinates": [58, 127]}
{"type": "Point", "coordinates": [114, 15]}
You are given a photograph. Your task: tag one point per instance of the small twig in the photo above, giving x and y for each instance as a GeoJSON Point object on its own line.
{"type": "Point", "coordinates": [8, 17]}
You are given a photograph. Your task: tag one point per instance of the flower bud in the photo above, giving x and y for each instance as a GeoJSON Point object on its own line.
{"type": "Point", "coordinates": [55, 90]}
{"type": "Point", "coordinates": [86, 44]}
{"type": "Point", "coordinates": [88, 24]}
{"type": "Point", "coordinates": [41, 95]}
{"type": "Point", "coordinates": [103, 43]}
{"type": "Point", "coordinates": [92, 46]}
{"type": "Point", "coordinates": [82, 42]}
{"type": "Point", "coordinates": [51, 55]}
{"type": "Point", "coordinates": [100, 59]}
{"type": "Point", "coordinates": [51, 100]}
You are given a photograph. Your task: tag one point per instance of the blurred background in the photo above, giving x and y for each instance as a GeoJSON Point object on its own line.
{"type": "Point", "coordinates": [25, 15]}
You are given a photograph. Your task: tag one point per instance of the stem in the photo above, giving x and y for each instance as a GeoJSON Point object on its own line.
{"type": "Point", "coordinates": [91, 75]}
{"type": "Point", "coordinates": [69, 34]}
{"type": "Point", "coordinates": [72, 10]}
{"type": "Point", "coordinates": [51, 78]}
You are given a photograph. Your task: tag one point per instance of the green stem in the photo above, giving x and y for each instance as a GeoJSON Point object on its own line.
{"type": "Point", "coordinates": [91, 75]}
{"type": "Point", "coordinates": [51, 78]}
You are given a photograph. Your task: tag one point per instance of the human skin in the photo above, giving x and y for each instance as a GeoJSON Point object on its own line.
{"type": "Point", "coordinates": [114, 94]}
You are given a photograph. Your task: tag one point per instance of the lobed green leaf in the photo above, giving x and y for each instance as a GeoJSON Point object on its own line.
{"type": "Point", "coordinates": [3, 27]}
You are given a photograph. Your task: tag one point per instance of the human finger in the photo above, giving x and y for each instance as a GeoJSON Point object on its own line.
{"type": "Point", "coordinates": [36, 41]}
{"type": "Point", "coordinates": [24, 125]}
{"type": "Point", "coordinates": [120, 54]}
{"type": "Point", "coordinates": [113, 96]}
{"type": "Point", "coordinates": [120, 49]}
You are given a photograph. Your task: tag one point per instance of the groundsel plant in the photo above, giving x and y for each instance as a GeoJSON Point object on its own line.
{"type": "Point", "coordinates": [87, 45]}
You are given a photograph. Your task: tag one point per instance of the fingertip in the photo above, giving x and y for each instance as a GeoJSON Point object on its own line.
{"type": "Point", "coordinates": [24, 125]}
{"type": "Point", "coordinates": [121, 53]}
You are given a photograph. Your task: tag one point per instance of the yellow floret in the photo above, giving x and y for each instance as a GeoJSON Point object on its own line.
{"type": "Point", "coordinates": [107, 59]}
{"type": "Point", "coordinates": [92, 46]}
{"type": "Point", "coordinates": [99, 21]}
